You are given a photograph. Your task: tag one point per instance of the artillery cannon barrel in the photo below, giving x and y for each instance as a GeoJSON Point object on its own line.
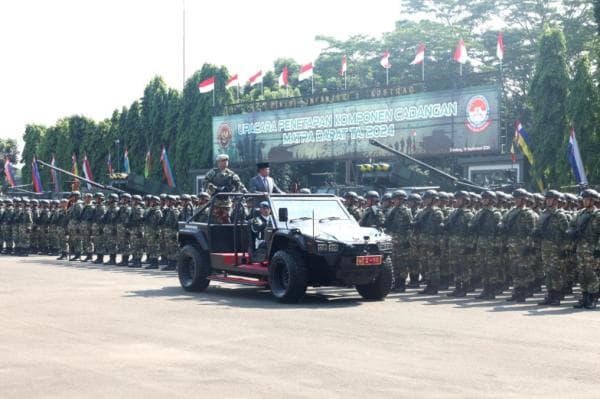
{"type": "Point", "coordinates": [83, 179]}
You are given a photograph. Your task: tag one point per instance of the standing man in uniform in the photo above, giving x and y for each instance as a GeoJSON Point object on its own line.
{"type": "Point", "coordinates": [123, 233]}
{"type": "Point", "coordinates": [136, 231]}
{"type": "Point", "coordinates": [373, 215]}
{"type": "Point", "coordinates": [152, 220]}
{"type": "Point", "coordinates": [351, 203]}
{"type": "Point", "coordinates": [223, 179]}
{"type": "Point", "coordinates": [428, 227]}
{"type": "Point", "coordinates": [109, 228]}
{"type": "Point", "coordinates": [87, 216]}
{"type": "Point", "coordinates": [398, 223]}
{"type": "Point", "coordinates": [98, 240]}
{"type": "Point", "coordinates": [74, 225]}
{"type": "Point", "coordinates": [459, 242]}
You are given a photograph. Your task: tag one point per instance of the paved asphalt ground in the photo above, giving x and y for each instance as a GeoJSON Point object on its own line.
{"type": "Point", "coordinates": [73, 330]}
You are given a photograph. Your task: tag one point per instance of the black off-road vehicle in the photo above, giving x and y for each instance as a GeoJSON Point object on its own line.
{"type": "Point", "coordinates": [311, 240]}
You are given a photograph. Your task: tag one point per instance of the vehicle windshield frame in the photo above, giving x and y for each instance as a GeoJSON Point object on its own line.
{"type": "Point", "coordinates": [320, 213]}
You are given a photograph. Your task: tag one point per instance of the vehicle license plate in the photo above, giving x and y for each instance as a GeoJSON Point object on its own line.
{"type": "Point", "coordinates": [369, 260]}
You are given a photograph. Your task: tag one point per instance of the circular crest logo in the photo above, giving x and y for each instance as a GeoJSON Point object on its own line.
{"type": "Point", "coordinates": [478, 114]}
{"type": "Point", "coordinates": [224, 135]}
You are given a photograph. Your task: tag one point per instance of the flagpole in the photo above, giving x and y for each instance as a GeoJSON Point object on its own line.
{"type": "Point", "coordinates": [423, 70]}
{"type": "Point", "coordinates": [460, 69]}
{"type": "Point", "coordinates": [262, 88]}
{"type": "Point", "coordinates": [387, 76]}
{"type": "Point", "coordinates": [213, 96]}
{"type": "Point", "coordinates": [312, 85]}
{"type": "Point", "coordinates": [345, 80]}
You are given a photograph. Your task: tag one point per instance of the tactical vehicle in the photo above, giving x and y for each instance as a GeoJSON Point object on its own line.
{"type": "Point", "coordinates": [311, 240]}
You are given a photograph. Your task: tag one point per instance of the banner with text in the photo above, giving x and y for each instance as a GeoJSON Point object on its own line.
{"type": "Point", "coordinates": [462, 121]}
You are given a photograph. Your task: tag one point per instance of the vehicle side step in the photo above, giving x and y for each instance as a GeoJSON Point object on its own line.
{"type": "Point", "coordinates": [238, 280]}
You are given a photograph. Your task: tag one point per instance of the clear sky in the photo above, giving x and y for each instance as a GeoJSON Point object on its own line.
{"type": "Point", "coordinates": [89, 57]}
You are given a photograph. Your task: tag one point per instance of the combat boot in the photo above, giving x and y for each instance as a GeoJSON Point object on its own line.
{"type": "Point", "coordinates": [513, 296]}
{"type": "Point", "coordinates": [548, 299]}
{"type": "Point", "coordinates": [582, 302]}
{"type": "Point", "coordinates": [444, 282]}
{"type": "Point", "coordinates": [135, 262]}
{"type": "Point", "coordinates": [63, 255]}
{"type": "Point", "coordinates": [76, 257]}
{"type": "Point", "coordinates": [99, 259]}
{"type": "Point", "coordinates": [124, 260]}
{"type": "Point", "coordinates": [459, 290]}
{"type": "Point", "coordinates": [152, 263]}
{"type": "Point", "coordinates": [555, 299]}
{"type": "Point", "coordinates": [430, 289]}
{"type": "Point", "coordinates": [400, 285]}
{"type": "Point", "coordinates": [592, 301]}
{"type": "Point", "coordinates": [88, 257]}
{"type": "Point", "coordinates": [414, 280]}
{"type": "Point", "coordinates": [112, 260]}
{"type": "Point", "coordinates": [521, 295]}
{"type": "Point", "coordinates": [567, 288]}
{"type": "Point", "coordinates": [487, 293]}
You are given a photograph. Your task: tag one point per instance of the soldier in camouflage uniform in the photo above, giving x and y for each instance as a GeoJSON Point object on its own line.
{"type": "Point", "coordinates": [460, 243]}
{"type": "Point", "coordinates": [74, 225]}
{"type": "Point", "coordinates": [428, 227]}
{"type": "Point", "coordinates": [397, 224]}
{"type": "Point", "coordinates": [85, 227]}
{"type": "Point", "coordinates": [550, 230]}
{"type": "Point", "coordinates": [98, 240]}
{"type": "Point", "coordinates": [223, 179]}
{"type": "Point", "coordinates": [373, 215]}
{"type": "Point", "coordinates": [169, 232]}
{"type": "Point", "coordinates": [518, 229]}
{"type": "Point", "coordinates": [25, 229]}
{"type": "Point", "coordinates": [413, 203]}
{"type": "Point", "coordinates": [61, 221]}
{"type": "Point", "coordinates": [152, 219]}
{"type": "Point", "coordinates": [136, 229]}
{"type": "Point", "coordinates": [3, 230]}
{"type": "Point", "coordinates": [35, 227]}
{"type": "Point", "coordinates": [14, 225]}
{"type": "Point", "coordinates": [187, 209]}
{"type": "Point", "coordinates": [487, 245]}
{"type": "Point", "coordinates": [386, 204]}
{"type": "Point", "coordinates": [445, 277]}
{"type": "Point", "coordinates": [44, 228]}
{"type": "Point", "coordinates": [109, 228]}
{"type": "Point", "coordinates": [584, 230]}
{"type": "Point", "coordinates": [9, 215]}
{"type": "Point", "coordinates": [203, 199]}
{"type": "Point", "coordinates": [535, 202]}
{"type": "Point", "coordinates": [350, 201]}
{"type": "Point", "coordinates": [123, 233]}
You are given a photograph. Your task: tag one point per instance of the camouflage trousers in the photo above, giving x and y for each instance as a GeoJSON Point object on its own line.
{"type": "Point", "coordinates": [400, 255]}
{"type": "Point", "coordinates": [429, 261]}
{"type": "Point", "coordinates": [458, 261]}
{"type": "Point", "coordinates": [413, 255]}
{"type": "Point", "coordinates": [54, 237]}
{"type": "Point", "coordinates": [538, 263]}
{"type": "Point", "coordinates": [152, 242]}
{"type": "Point", "coordinates": [97, 239]}
{"type": "Point", "coordinates": [171, 244]}
{"type": "Point", "coordinates": [445, 269]}
{"type": "Point", "coordinates": [487, 254]}
{"type": "Point", "coordinates": [554, 262]}
{"type": "Point", "coordinates": [24, 236]}
{"type": "Point", "coordinates": [87, 245]}
{"type": "Point", "coordinates": [63, 239]}
{"type": "Point", "coordinates": [137, 241]}
{"type": "Point", "coordinates": [521, 262]}
{"type": "Point", "coordinates": [109, 235]}
{"type": "Point", "coordinates": [6, 239]}
{"type": "Point", "coordinates": [587, 265]}
{"type": "Point", "coordinates": [123, 244]}
{"type": "Point", "coordinates": [75, 245]}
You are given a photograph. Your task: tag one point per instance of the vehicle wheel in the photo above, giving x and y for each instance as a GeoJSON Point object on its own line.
{"type": "Point", "coordinates": [193, 268]}
{"type": "Point", "coordinates": [381, 286]}
{"type": "Point", "coordinates": [287, 276]}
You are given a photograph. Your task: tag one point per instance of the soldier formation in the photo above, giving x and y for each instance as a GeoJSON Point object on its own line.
{"type": "Point", "coordinates": [98, 229]}
{"type": "Point", "coordinates": [491, 240]}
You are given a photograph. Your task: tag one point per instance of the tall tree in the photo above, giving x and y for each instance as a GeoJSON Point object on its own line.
{"type": "Point", "coordinates": [548, 97]}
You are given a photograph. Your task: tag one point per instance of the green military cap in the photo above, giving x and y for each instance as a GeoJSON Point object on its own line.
{"type": "Point", "coordinates": [222, 157]}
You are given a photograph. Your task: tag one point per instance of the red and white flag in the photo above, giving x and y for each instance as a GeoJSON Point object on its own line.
{"type": "Point", "coordinates": [344, 66]}
{"type": "Point", "coordinates": [306, 71]}
{"type": "Point", "coordinates": [256, 78]}
{"type": "Point", "coordinates": [232, 82]}
{"type": "Point", "coordinates": [460, 55]}
{"type": "Point", "coordinates": [420, 56]}
{"type": "Point", "coordinates": [500, 47]}
{"type": "Point", "coordinates": [385, 60]}
{"type": "Point", "coordinates": [207, 86]}
{"type": "Point", "coordinates": [283, 78]}
{"type": "Point", "coordinates": [87, 171]}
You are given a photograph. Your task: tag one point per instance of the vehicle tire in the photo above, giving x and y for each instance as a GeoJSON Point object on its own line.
{"type": "Point", "coordinates": [287, 276]}
{"type": "Point", "coordinates": [193, 268]}
{"type": "Point", "coordinates": [381, 286]}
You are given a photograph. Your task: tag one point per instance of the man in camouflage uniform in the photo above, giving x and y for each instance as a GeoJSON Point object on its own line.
{"type": "Point", "coordinates": [397, 224]}
{"type": "Point", "coordinates": [44, 228]}
{"type": "Point", "coordinates": [550, 231]}
{"type": "Point", "coordinates": [8, 219]}
{"type": "Point", "coordinates": [123, 233]}
{"type": "Point", "coordinates": [3, 227]}
{"type": "Point", "coordinates": [413, 203]}
{"type": "Point", "coordinates": [518, 228]}
{"type": "Point", "coordinates": [136, 231]}
{"type": "Point", "coordinates": [350, 201]}
{"type": "Point", "coordinates": [98, 241]}
{"type": "Point", "coordinates": [25, 229]}
{"type": "Point", "coordinates": [152, 219]}
{"type": "Point", "coordinates": [428, 227]}
{"type": "Point", "coordinates": [223, 179]}
{"type": "Point", "coordinates": [487, 246]}
{"type": "Point", "coordinates": [61, 221]}
{"type": "Point", "coordinates": [74, 225]}
{"type": "Point", "coordinates": [373, 216]}
{"type": "Point", "coordinates": [443, 202]}
{"type": "Point", "coordinates": [85, 227]}
{"type": "Point", "coordinates": [386, 204]}
{"type": "Point", "coordinates": [187, 209]}
{"type": "Point", "coordinates": [460, 244]}
{"type": "Point", "coordinates": [35, 235]}
{"type": "Point", "coordinates": [535, 202]}
{"type": "Point", "coordinates": [169, 232]}
{"type": "Point", "coordinates": [109, 228]}
{"type": "Point", "coordinates": [584, 230]}
{"type": "Point", "coordinates": [202, 207]}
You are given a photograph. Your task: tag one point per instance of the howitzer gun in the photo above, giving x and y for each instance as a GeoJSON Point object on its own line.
{"type": "Point", "coordinates": [83, 179]}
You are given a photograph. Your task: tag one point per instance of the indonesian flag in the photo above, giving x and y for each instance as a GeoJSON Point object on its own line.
{"type": "Point", "coordinates": [87, 171]}
{"type": "Point", "coordinates": [306, 71]}
{"type": "Point", "coordinates": [232, 82]}
{"type": "Point", "coordinates": [500, 47]}
{"type": "Point", "coordinates": [283, 78]}
{"type": "Point", "coordinates": [574, 157]}
{"type": "Point", "coordinates": [460, 55]}
{"type": "Point", "coordinates": [344, 66]}
{"type": "Point", "coordinates": [207, 86]}
{"type": "Point", "coordinates": [420, 56]}
{"type": "Point", "coordinates": [385, 60]}
{"type": "Point", "coordinates": [256, 78]}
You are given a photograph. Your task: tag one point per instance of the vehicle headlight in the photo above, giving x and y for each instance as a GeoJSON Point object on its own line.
{"type": "Point", "coordinates": [322, 247]}
{"type": "Point", "coordinates": [334, 247]}
{"type": "Point", "coordinates": [385, 246]}
{"type": "Point", "coordinates": [325, 247]}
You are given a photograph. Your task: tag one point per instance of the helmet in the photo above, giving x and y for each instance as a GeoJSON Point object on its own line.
{"type": "Point", "coordinates": [203, 194]}
{"type": "Point", "coordinates": [430, 194]}
{"type": "Point", "coordinates": [99, 195]}
{"type": "Point", "coordinates": [194, 197]}
{"type": "Point", "coordinates": [55, 202]}
{"type": "Point", "coordinates": [571, 198]}
{"type": "Point", "coordinates": [45, 202]}
{"type": "Point", "coordinates": [113, 197]}
{"type": "Point", "coordinates": [147, 197]}
{"type": "Point", "coordinates": [414, 197]}
{"type": "Point", "coordinates": [386, 197]}
{"type": "Point", "coordinates": [351, 194]}
{"type": "Point", "coordinates": [34, 202]}
{"type": "Point", "coordinates": [372, 195]}
{"type": "Point", "coordinates": [155, 198]}
{"type": "Point", "coordinates": [489, 194]}
{"type": "Point", "coordinates": [539, 197]}
{"type": "Point", "coordinates": [589, 193]}
{"type": "Point", "coordinates": [462, 194]}
{"type": "Point", "coordinates": [520, 193]}
{"type": "Point", "coordinates": [443, 195]}
{"type": "Point", "coordinates": [163, 196]}
{"type": "Point", "coordinates": [552, 194]}
{"type": "Point", "coordinates": [87, 195]}
{"type": "Point", "coordinates": [75, 194]}
{"type": "Point", "coordinates": [399, 194]}
{"type": "Point", "coordinates": [137, 197]}
{"type": "Point", "coordinates": [186, 197]}
{"type": "Point", "coordinates": [126, 196]}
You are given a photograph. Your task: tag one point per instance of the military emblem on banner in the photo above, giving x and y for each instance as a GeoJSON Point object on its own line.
{"type": "Point", "coordinates": [478, 114]}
